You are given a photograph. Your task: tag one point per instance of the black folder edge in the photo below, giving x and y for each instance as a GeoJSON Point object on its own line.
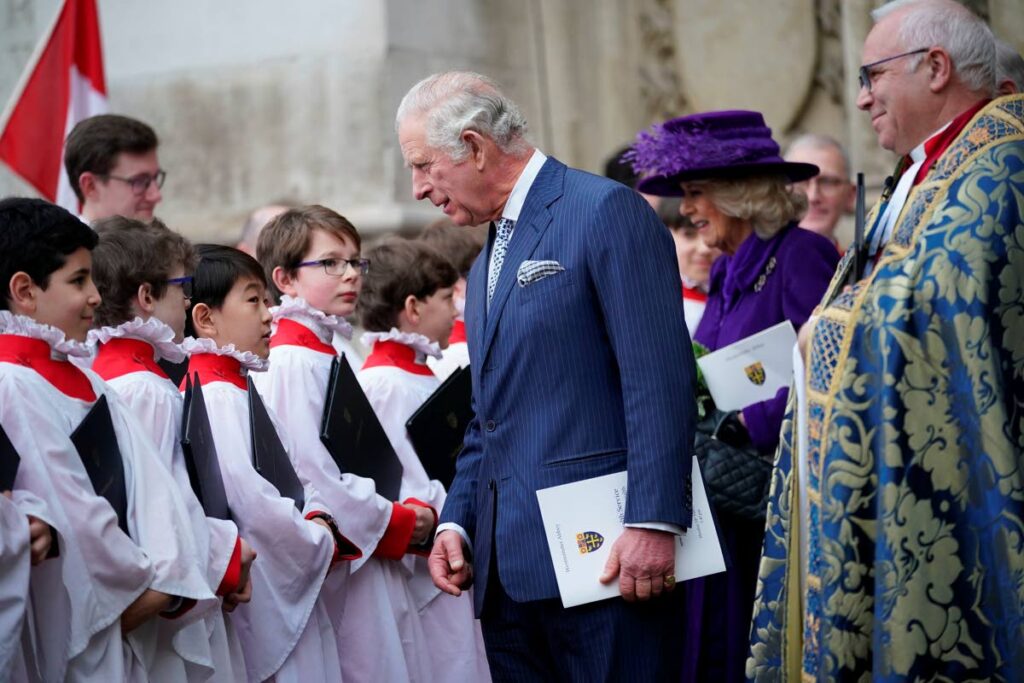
{"type": "Point", "coordinates": [118, 499]}
{"type": "Point", "coordinates": [440, 391]}
{"type": "Point", "coordinates": [9, 462]}
{"type": "Point", "coordinates": [258, 412]}
{"type": "Point", "coordinates": [339, 365]}
{"type": "Point", "coordinates": [194, 394]}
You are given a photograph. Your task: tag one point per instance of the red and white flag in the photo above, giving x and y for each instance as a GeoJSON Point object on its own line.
{"type": "Point", "coordinates": [62, 85]}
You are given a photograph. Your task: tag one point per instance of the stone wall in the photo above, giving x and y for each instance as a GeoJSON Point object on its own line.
{"type": "Point", "coordinates": [265, 100]}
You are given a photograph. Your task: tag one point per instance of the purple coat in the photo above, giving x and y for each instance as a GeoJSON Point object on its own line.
{"type": "Point", "coordinates": [762, 284]}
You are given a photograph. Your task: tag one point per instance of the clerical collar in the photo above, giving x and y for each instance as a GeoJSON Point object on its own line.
{"type": "Point", "coordinates": [154, 331]}
{"type": "Point", "coordinates": [418, 342]}
{"type": "Point", "coordinates": [60, 346]}
{"type": "Point", "coordinates": [320, 323]}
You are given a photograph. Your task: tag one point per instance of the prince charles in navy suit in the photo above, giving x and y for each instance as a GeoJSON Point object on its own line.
{"type": "Point", "coordinates": [581, 365]}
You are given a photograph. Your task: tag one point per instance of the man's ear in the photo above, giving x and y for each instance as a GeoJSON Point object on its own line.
{"type": "Point", "coordinates": [284, 281]}
{"type": "Point", "coordinates": [477, 149]}
{"type": "Point", "coordinates": [21, 293]}
{"type": "Point", "coordinates": [940, 68]}
{"type": "Point", "coordinates": [204, 321]}
{"type": "Point", "coordinates": [411, 309]}
{"type": "Point", "coordinates": [87, 181]}
{"type": "Point", "coordinates": [144, 299]}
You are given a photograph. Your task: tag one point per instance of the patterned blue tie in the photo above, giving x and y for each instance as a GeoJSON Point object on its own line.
{"type": "Point", "coordinates": [504, 234]}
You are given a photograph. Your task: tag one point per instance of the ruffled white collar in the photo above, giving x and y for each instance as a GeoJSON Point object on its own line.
{"type": "Point", "coordinates": [153, 331]}
{"type": "Point", "coordinates": [23, 326]}
{"type": "Point", "coordinates": [419, 343]}
{"type": "Point", "coordinates": [249, 360]}
{"type": "Point", "coordinates": [323, 325]}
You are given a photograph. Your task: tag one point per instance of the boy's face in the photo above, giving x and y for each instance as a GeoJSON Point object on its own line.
{"type": "Point", "coordinates": [70, 300]}
{"type": "Point", "coordinates": [332, 294]}
{"type": "Point", "coordinates": [436, 316]}
{"type": "Point", "coordinates": [172, 307]}
{"type": "Point", "coordinates": [244, 319]}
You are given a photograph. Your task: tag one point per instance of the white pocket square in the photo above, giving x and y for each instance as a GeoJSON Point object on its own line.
{"type": "Point", "coordinates": [534, 271]}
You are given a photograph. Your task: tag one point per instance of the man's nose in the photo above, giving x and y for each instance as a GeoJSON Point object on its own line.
{"type": "Point", "coordinates": [420, 186]}
{"type": "Point", "coordinates": [153, 193]}
{"type": "Point", "coordinates": [864, 98]}
{"type": "Point", "coordinates": [813, 193]}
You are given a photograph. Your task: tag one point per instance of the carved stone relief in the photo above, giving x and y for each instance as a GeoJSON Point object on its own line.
{"type": "Point", "coordinates": [765, 62]}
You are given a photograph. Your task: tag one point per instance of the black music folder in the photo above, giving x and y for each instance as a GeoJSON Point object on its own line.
{"type": "Point", "coordinates": [200, 454]}
{"type": "Point", "coordinates": [176, 371]}
{"type": "Point", "coordinates": [269, 456]}
{"type": "Point", "coordinates": [354, 436]}
{"type": "Point", "coordinates": [96, 442]}
{"type": "Point", "coordinates": [9, 461]}
{"type": "Point", "coordinates": [438, 427]}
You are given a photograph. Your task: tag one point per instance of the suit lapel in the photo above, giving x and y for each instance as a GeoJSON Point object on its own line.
{"type": "Point", "coordinates": [533, 221]}
{"type": "Point", "coordinates": [476, 297]}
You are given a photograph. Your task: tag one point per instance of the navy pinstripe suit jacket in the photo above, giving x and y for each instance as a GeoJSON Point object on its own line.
{"type": "Point", "coordinates": [583, 373]}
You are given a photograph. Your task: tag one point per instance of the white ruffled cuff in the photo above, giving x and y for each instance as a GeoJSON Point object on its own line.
{"type": "Point", "coordinates": [24, 326]}
{"type": "Point", "coordinates": [249, 360]}
{"type": "Point", "coordinates": [154, 331]}
{"type": "Point", "coordinates": [323, 325]}
{"type": "Point", "coordinates": [423, 346]}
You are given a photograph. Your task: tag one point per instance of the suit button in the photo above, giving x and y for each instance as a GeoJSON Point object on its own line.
{"type": "Point", "coordinates": [490, 485]}
{"type": "Point", "coordinates": [489, 425]}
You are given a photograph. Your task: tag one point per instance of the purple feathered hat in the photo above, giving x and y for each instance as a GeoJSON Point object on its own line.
{"type": "Point", "coordinates": [717, 144]}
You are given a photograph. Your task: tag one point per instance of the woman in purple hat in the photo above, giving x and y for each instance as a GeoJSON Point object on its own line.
{"type": "Point", "coordinates": [736, 188]}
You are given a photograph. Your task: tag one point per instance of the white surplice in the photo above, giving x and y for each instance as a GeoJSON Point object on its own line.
{"type": "Point", "coordinates": [285, 630]}
{"type": "Point", "coordinates": [206, 649]}
{"type": "Point", "coordinates": [77, 599]}
{"type": "Point", "coordinates": [15, 562]}
{"type": "Point", "coordinates": [454, 645]}
{"type": "Point", "coordinates": [366, 615]}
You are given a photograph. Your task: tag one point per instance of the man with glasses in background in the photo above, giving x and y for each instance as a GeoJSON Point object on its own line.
{"type": "Point", "coordinates": [113, 168]}
{"type": "Point", "coordinates": [893, 532]}
{"type": "Point", "coordinates": [830, 194]}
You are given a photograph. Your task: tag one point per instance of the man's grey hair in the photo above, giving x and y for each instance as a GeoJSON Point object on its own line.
{"type": "Point", "coordinates": [1009, 65]}
{"type": "Point", "coordinates": [819, 141]}
{"type": "Point", "coordinates": [457, 101]}
{"type": "Point", "coordinates": [951, 26]}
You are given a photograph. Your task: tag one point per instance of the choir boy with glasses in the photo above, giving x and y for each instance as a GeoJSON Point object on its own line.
{"type": "Point", "coordinates": [143, 272]}
{"type": "Point", "coordinates": [311, 257]}
{"type": "Point", "coordinates": [113, 168]}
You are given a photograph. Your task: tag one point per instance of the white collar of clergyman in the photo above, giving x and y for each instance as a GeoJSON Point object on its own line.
{"type": "Point", "coordinates": [515, 202]}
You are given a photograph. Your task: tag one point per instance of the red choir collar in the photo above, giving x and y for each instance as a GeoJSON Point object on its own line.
{"type": "Point", "coordinates": [458, 334]}
{"type": "Point", "coordinates": [214, 368]}
{"type": "Point", "coordinates": [122, 356]}
{"type": "Point", "coordinates": [936, 146]}
{"type": "Point", "coordinates": [394, 354]}
{"type": "Point", "coordinates": [292, 333]}
{"type": "Point", "coordinates": [35, 354]}
{"type": "Point", "coordinates": [693, 294]}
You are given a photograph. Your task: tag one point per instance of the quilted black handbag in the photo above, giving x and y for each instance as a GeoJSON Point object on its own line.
{"type": "Point", "coordinates": [736, 475]}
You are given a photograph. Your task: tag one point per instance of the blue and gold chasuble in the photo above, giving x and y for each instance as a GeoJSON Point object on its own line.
{"type": "Point", "coordinates": [915, 445]}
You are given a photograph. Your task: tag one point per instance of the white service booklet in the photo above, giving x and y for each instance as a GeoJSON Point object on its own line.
{"type": "Point", "coordinates": [583, 519]}
{"type": "Point", "coordinates": [752, 369]}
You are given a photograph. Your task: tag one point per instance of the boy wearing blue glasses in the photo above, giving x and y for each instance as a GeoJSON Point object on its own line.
{"type": "Point", "coordinates": [311, 257]}
{"type": "Point", "coordinates": [140, 271]}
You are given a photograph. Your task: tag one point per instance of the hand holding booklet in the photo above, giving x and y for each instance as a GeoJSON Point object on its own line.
{"type": "Point", "coordinates": [752, 369]}
{"type": "Point", "coordinates": [582, 521]}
